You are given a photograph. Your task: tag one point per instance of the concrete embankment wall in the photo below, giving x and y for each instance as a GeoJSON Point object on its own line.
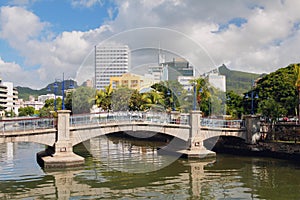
{"type": "Point", "coordinates": [288, 151]}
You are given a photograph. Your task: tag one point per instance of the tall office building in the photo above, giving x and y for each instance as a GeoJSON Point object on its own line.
{"type": "Point", "coordinates": [110, 61]}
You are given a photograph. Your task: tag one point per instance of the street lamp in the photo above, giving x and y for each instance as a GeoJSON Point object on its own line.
{"type": "Point", "coordinates": [55, 86]}
{"type": "Point", "coordinates": [252, 98]}
{"type": "Point", "coordinates": [170, 95]}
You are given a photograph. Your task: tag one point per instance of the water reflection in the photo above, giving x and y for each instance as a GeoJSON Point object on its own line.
{"type": "Point", "coordinates": [227, 177]}
{"type": "Point", "coordinates": [181, 180]}
{"type": "Point", "coordinates": [128, 155]}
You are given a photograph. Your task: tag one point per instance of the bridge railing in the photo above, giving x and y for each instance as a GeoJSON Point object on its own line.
{"type": "Point", "coordinates": [115, 117]}
{"type": "Point", "coordinates": [26, 125]}
{"type": "Point", "coordinates": [218, 123]}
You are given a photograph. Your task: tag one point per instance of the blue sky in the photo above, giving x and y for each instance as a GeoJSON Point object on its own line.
{"type": "Point", "coordinates": [40, 39]}
{"type": "Point", "coordinates": [65, 17]}
{"type": "Point", "coordinates": [61, 15]}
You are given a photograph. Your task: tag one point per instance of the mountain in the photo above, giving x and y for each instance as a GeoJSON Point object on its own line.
{"type": "Point", "coordinates": [25, 92]}
{"type": "Point", "coordinates": [237, 81]}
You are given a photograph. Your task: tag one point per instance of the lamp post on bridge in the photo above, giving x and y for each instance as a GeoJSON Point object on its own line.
{"type": "Point", "coordinates": [55, 86]}
{"type": "Point", "coordinates": [172, 95]}
{"type": "Point", "coordinates": [252, 98]}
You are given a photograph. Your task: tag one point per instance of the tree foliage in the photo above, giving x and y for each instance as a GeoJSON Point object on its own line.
{"type": "Point", "coordinates": [272, 109]}
{"type": "Point", "coordinates": [120, 99]}
{"type": "Point", "coordinates": [83, 98]}
{"type": "Point", "coordinates": [103, 98]}
{"type": "Point", "coordinates": [135, 101]}
{"type": "Point", "coordinates": [173, 94]}
{"type": "Point", "coordinates": [152, 100]}
{"type": "Point", "coordinates": [26, 111]}
{"type": "Point", "coordinates": [234, 105]}
{"type": "Point", "coordinates": [279, 86]}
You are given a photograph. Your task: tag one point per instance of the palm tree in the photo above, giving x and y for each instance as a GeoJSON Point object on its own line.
{"type": "Point", "coordinates": [152, 99]}
{"type": "Point", "coordinates": [202, 93]}
{"type": "Point", "coordinates": [103, 98]}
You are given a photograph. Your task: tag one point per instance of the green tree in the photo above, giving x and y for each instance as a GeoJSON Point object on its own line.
{"type": "Point", "coordinates": [279, 86]}
{"type": "Point", "coordinates": [135, 101]}
{"type": "Point", "coordinates": [83, 98]}
{"type": "Point", "coordinates": [152, 100]}
{"type": "Point", "coordinates": [234, 105]}
{"type": "Point", "coordinates": [68, 100]}
{"type": "Point", "coordinates": [120, 99]}
{"type": "Point", "coordinates": [46, 112]}
{"type": "Point", "coordinates": [272, 110]}
{"type": "Point", "coordinates": [173, 93]}
{"type": "Point", "coordinates": [26, 111]}
{"type": "Point", "coordinates": [48, 108]}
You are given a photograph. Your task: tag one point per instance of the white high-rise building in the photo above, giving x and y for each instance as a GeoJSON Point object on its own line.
{"type": "Point", "coordinates": [110, 61]}
{"type": "Point", "coordinates": [8, 96]}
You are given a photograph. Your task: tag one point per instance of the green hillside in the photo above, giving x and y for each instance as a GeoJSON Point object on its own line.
{"type": "Point", "coordinates": [238, 81]}
{"type": "Point", "coordinates": [25, 92]}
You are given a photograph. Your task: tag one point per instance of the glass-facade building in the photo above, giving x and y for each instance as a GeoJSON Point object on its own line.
{"type": "Point", "coordinates": [177, 67]}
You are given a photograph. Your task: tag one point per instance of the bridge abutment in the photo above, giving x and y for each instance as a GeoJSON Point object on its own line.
{"type": "Point", "coordinates": [63, 149]}
{"type": "Point", "coordinates": [196, 149]}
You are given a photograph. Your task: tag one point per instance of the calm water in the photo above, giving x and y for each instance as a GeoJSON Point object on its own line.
{"type": "Point", "coordinates": [128, 169]}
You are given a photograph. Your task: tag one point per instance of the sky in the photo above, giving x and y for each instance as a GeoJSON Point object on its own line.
{"type": "Point", "coordinates": [42, 40]}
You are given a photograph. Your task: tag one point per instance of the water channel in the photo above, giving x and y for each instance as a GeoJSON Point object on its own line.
{"type": "Point", "coordinates": [118, 168]}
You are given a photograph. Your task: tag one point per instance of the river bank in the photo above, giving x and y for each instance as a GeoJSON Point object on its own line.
{"type": "Point", "coordinates": [272, 149]}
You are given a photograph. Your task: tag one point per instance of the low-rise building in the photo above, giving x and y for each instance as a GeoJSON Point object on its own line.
{"type": "Point", "coordinates": [37, 105]}
{"type": "Point", "coordinates": [43, 98]}
{"type": "Point", "coordinates": [185, 81]}
{"type": "Point", "coordinates": [132, 81]}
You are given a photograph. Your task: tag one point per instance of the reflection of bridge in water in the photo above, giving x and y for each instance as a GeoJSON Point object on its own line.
{"type": "Point", "coordinates": [69, 131]}
{"type": "Point", "coordinates": [66, 184]}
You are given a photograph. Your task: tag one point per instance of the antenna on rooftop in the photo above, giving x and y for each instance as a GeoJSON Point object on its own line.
{"type": "Point", "coordinates": [161, 57]}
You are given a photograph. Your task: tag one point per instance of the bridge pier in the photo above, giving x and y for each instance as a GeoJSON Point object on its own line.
{"type": "Point", "coordinates": [63, 150]}
{"type": "Point", "coordinates": [195, 148]}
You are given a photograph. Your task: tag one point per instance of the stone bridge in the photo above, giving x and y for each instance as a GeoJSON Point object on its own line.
{"type": "Point", "coordinates": [69, 131]}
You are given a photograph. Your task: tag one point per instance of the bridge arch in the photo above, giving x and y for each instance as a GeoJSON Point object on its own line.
{"type": "Point", "coordinates": [80, 134]}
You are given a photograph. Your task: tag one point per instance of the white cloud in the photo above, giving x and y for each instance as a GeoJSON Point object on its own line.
{"type": "Point", "coordinates": [54, 55]}
{"type": "Point", "coordinates": [268, 39]}
{"type": "Point", "coordinates": [13, 72]}
{"type": "Point", "coordinates": [19, 25]}
{"type": "Point", "coordinates": [86, 3]}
